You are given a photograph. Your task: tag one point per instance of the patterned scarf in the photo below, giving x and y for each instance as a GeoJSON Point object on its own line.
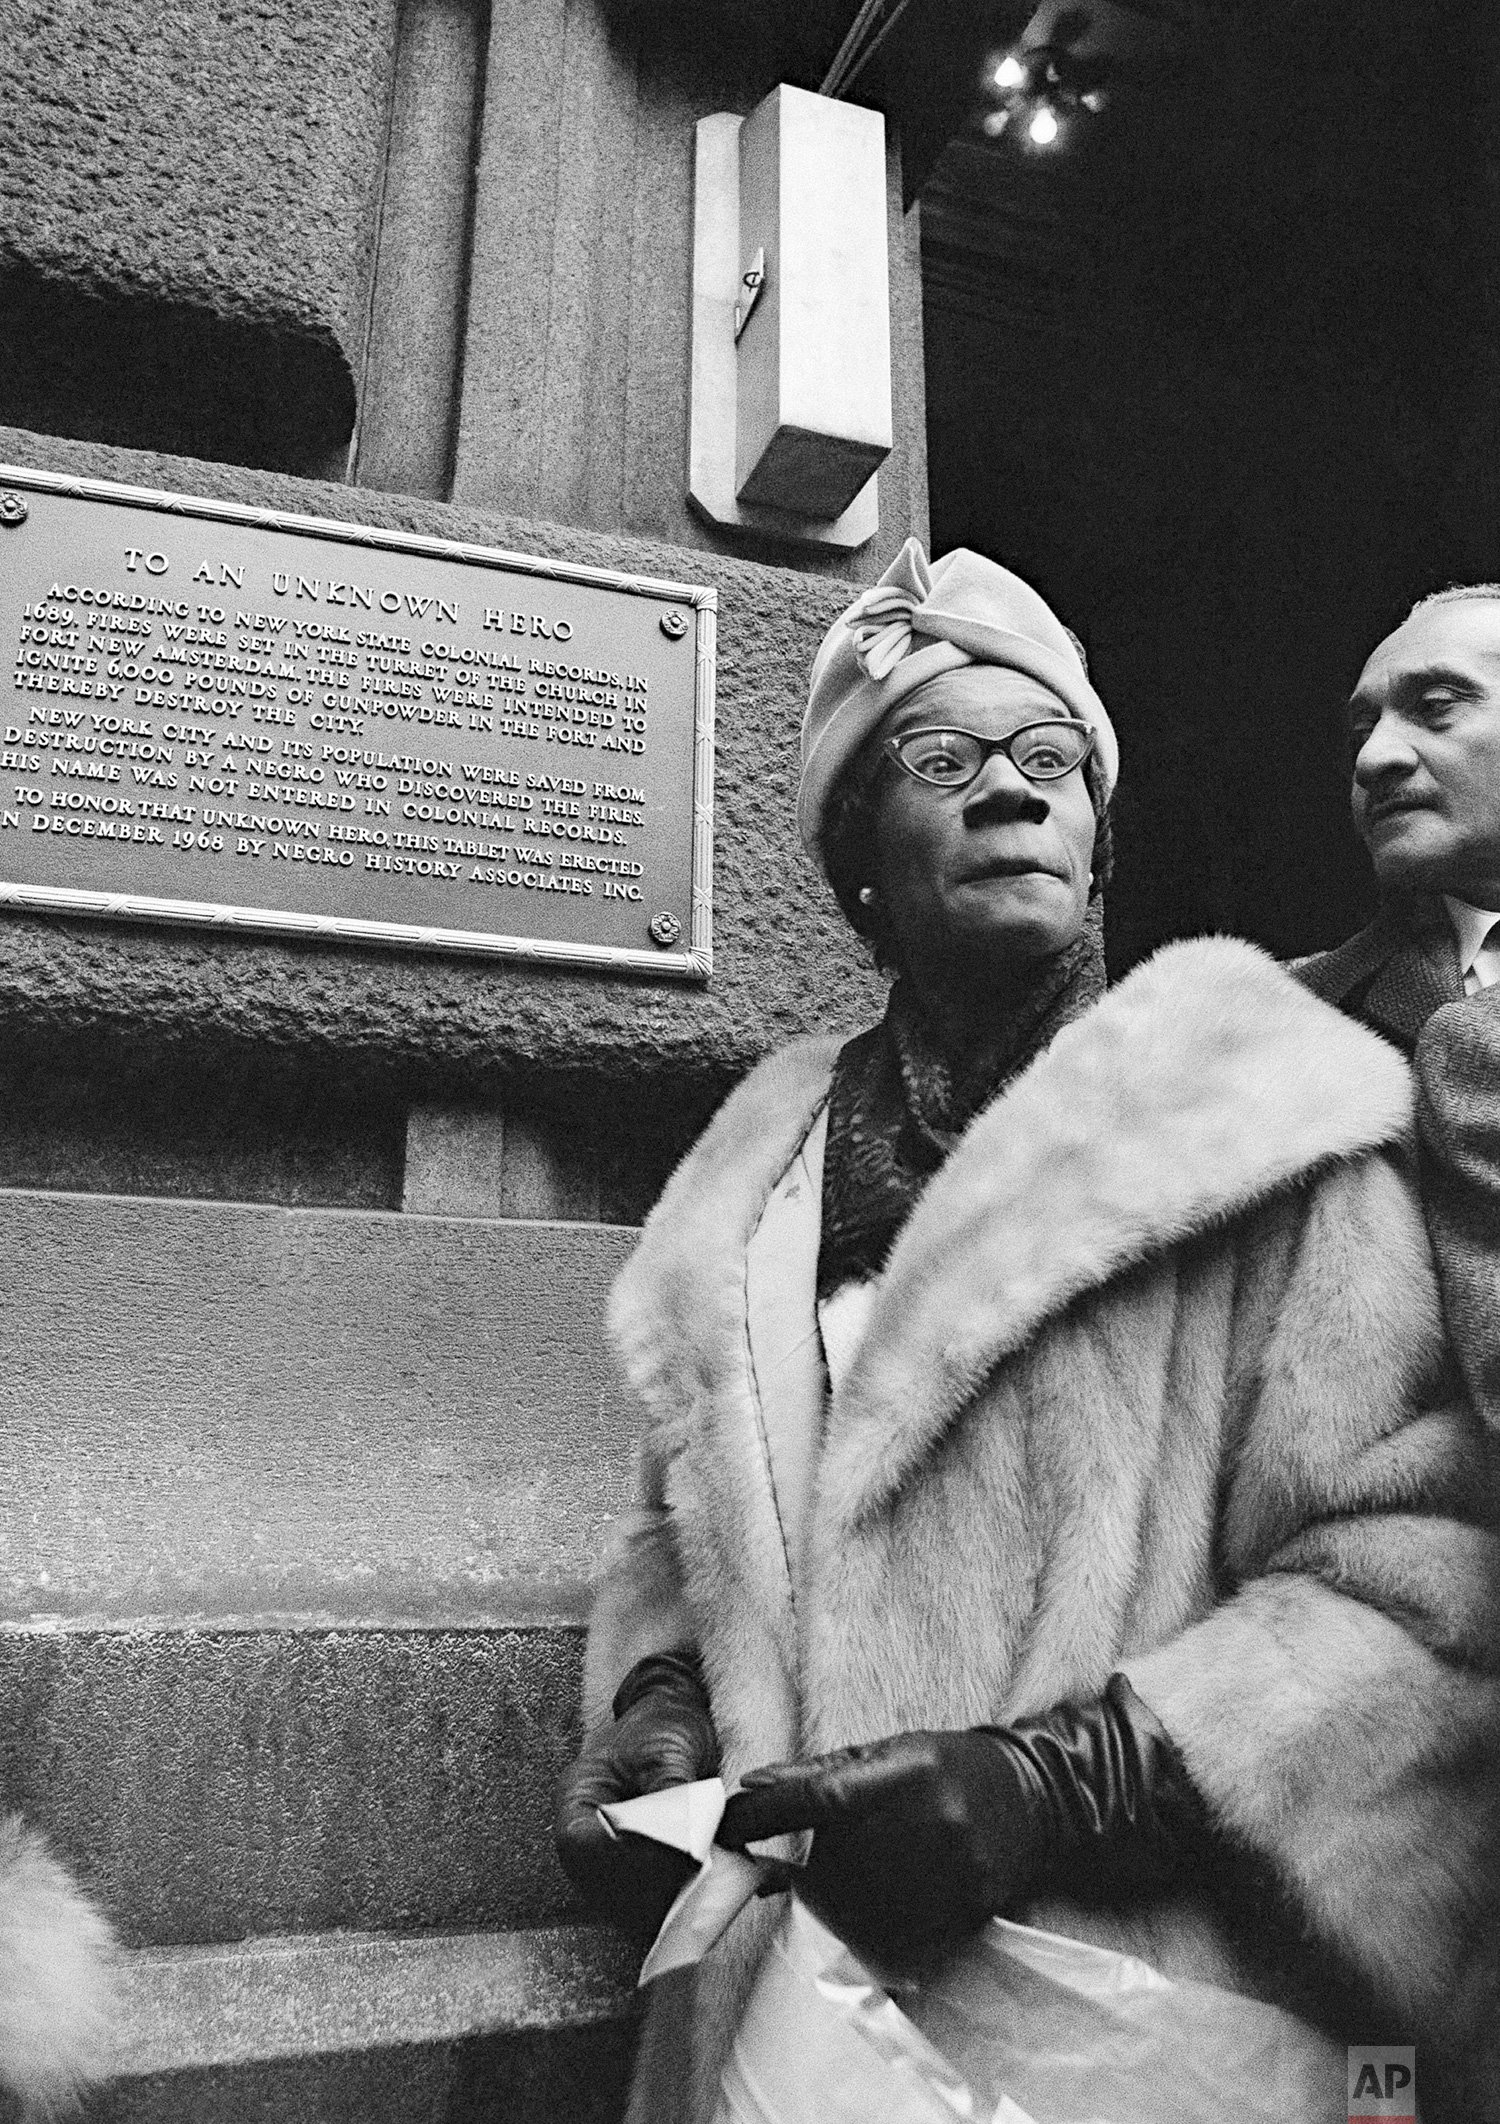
{"type": "Point", "coordinates": [898, 1104]}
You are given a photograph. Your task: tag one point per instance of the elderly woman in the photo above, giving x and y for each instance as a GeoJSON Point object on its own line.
{"type": "Point", "coordinates": [1047, 1461]}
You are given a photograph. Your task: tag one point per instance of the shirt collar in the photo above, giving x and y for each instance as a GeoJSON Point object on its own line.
{"type": "Point", "coordinates": [1471, 925]}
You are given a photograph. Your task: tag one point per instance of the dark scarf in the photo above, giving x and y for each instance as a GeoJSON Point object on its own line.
{"type": "Point", "coordinates": [898, 1104]}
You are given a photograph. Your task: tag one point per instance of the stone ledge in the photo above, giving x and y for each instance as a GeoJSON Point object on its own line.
{"type": "Point", "coordinates": [519, 2028]}
{"type": "Point", "coordinates": [261, 1999]}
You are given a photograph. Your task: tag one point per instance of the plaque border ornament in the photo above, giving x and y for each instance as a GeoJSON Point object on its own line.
{"type": "Point", "coordinates": [693, 963]}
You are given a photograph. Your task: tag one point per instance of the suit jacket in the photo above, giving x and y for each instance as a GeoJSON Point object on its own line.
{"type": "Point", "coordinates": [1401, 976]}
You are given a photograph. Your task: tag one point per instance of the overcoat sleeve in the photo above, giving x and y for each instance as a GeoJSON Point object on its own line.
{"type": "Point", "coordinates": [1458, 1124]}
{"type": "Point", "coordinates": [1340, 1708]}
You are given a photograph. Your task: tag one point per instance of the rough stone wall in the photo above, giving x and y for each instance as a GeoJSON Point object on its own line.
{"type": "Point", "coordinates": [574, 393]}
{"type": "Point", "coordinates": [784, 960]}
{"type": "Point", "coordinates": [220, 225]}
{"type": "Point", "coordinates": [188, 192]}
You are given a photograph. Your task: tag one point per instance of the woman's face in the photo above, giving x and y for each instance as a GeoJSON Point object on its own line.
{"type": "Point", "coordinates": [993, 877]}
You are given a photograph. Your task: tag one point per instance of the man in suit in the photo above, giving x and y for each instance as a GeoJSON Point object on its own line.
{"type": "Point", "coordinates": [1424, 724]}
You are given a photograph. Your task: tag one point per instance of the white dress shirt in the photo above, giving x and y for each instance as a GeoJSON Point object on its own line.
{"type": "Point", "coordinates": [1478, 932]}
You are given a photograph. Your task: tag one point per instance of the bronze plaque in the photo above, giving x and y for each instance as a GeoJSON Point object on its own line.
{"type": "Point", "coordinates": [256, 721]}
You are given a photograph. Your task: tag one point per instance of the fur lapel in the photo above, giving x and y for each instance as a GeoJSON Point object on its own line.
{"type": "Point", "coordinates": [677, 1314]}
{"type": "Point", "coordinates": [680, 1324]}
{"type": "Point", "coordinates": [1200, 1086]}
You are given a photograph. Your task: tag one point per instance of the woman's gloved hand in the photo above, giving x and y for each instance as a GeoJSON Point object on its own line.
{"type": "Point", "coordinates": [922, 1837]}
{"type": "Point", "coordinates": [662, 1734]}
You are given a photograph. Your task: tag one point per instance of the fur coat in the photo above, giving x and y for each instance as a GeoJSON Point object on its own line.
{"type": "Point", "coordinates": [1154, 1379]}
{"type": "Point", "coordinates": [57, 1966]}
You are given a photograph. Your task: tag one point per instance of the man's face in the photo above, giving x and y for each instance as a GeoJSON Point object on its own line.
{"type": "Point", "coordinates": [1425, 730]}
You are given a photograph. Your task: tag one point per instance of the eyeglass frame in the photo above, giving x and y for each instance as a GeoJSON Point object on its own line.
{"type": "Point", "coordinates": [892, 749]}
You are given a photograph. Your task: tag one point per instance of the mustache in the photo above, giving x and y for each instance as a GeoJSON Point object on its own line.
{"type": "Point", "coordinates": [1393, 800]}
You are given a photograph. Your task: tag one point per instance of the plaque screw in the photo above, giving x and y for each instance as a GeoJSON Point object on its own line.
{"type": "Point", "coordinates": [14, 511]}
{"type": "Point", "coordinates": [665, 928]}
{"type": "Point", "coordinates": [673, 626]}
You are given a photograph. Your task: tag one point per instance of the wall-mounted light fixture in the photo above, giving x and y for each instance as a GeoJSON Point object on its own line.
{"type": "Point", "coordinates": [1039, 87]}
{"type": "Point", "coordinates": [790, 411]}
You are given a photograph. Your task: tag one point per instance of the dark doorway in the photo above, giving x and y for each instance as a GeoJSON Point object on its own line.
{"type": "Point", "coordinates": [1220, 374]}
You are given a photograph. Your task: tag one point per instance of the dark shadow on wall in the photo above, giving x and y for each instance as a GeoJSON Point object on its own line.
{"type": "Point", "coordinates": [102, 1113]}
{"type": "Point", "coordinates": [168, 377]}
{"type": "Point", "coordinates": [119, 1118]}
{"type": "Point", "coordinates": [1225, 382]}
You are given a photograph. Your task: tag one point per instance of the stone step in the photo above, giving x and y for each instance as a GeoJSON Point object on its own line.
{"type": "Point", "coordinates": [295, 1535]}
{"type": "Point", "coordinates": [210, 1784]}
{"type": "Point", "coordinates": [226, 1411]}
{"type": "Point", "coordinates": [530, 2026]}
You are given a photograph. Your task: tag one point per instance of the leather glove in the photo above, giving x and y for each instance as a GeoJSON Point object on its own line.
{"type": "Point", "coordinates": [662, 1734]}
{"type": "Point", "coordinates": [922, 1837]}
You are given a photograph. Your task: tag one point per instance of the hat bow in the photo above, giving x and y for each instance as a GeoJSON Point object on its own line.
{"type": "Point", "coordinates": [882, 619]}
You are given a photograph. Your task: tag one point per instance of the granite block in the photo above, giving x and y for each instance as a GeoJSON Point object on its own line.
{"type": "Point", "coordinates": [187, 201]}
{"type": "Point", "coordinates": [227, 1411]}
{"type": "Point", "coordinates": [212, 1784]}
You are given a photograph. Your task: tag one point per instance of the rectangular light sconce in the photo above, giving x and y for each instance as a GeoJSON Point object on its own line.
{"type": "Point", "coordinates": [791, 386]}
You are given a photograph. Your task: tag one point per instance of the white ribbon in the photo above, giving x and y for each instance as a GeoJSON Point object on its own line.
{"type": "Point", "coordinates": [881, 619]}
{"type": "Point", "coordinates": [881, 623]}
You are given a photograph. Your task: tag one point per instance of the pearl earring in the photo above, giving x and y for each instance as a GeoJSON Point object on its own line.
{"type": "Point", "coordinates": [866, 895]}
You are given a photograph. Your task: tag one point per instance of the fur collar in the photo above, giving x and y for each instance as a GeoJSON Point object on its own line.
{"type": "Point", "coordinates": [677, 1313]}
{"type": "Point", "coordinates": [1203, 1084]}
